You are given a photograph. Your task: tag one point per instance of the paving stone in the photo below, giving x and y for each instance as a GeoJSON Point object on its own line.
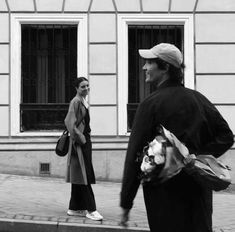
{"type": "Point", "coordinates": [77, 220]}
{"type": "Point", "coordinates": [19, 216]}
{"type": "Point", "coordinates": [27, 217]}
{"type": "Point", "coordinates": [40, 218]}
{"type": "Point", "coordinates": [10, 215]}
{"type": "Point", "coordinates": [89, 221]}
{"type": "Point", "coordinates": [62, 219]}
{"type": "Point", "coordinates": [110, 223]}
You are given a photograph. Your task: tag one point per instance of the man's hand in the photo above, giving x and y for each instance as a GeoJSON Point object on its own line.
{"type": "Point", "coordinates": [124, 217]}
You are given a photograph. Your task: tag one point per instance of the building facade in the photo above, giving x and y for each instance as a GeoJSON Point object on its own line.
{"type": "Point", "coordinates": [44, 44]}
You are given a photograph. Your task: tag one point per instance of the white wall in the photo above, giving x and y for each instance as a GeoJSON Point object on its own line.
{"type": "Point", "coordinates": [215, 55]}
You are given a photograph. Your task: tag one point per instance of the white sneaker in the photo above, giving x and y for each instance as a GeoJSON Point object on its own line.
{"type": "Point", "coordinates": [95, 215]}
{"type": "Point", "coordinates": [80, 213]}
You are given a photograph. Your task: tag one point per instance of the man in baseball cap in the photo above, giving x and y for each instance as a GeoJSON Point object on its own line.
{"type": "Point", "coordinates": [162, 62]}
{"type": "Point", "coordinates": [181, 203]}
{"type": "Point", "coordinates": [165, 51]}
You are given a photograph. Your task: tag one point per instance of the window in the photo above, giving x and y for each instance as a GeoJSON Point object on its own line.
{"type": "Point", "coordinates": [49, 65]}
{"type": "Point", "coordinates": [38, 71]}
{"type": "Point", "coordinates": [145, 37]}
{"type": "Point", "coordinates": [137, 31]}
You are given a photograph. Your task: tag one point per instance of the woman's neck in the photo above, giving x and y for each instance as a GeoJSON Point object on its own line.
{"type": "Point", "coordinates": [80, 96]}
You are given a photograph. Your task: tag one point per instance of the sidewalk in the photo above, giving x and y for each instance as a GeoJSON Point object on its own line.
{"type": "Point", "coordinates": [29, 204]}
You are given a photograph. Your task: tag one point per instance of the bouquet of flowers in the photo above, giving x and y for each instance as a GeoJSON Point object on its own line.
{"type": "Point", "coordinates": [166, 156]}
{"type": "Point", "coordinates": [163, 158]}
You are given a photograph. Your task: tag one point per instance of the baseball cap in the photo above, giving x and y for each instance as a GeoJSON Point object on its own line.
{"type": "Point", "coordinates": [165, 51]}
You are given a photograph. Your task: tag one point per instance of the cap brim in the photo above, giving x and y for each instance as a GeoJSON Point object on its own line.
{"type": "Point", "coordinates": [147, 54]}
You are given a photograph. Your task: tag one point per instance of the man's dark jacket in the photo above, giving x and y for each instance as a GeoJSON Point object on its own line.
{"type": "Point", "coordinates": [180, 204]}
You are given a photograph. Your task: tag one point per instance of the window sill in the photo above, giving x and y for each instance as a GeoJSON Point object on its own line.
{"type": "Point", "coordinates": [39, 134]}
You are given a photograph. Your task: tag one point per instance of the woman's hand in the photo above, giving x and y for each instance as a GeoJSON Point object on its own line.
{"type": "Point", "coordinates": [124, 217]}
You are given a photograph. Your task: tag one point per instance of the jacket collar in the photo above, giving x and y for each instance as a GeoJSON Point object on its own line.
{"type": "Point", "coordinates": [169, 83]}
{"type": "Point", "coordinates": [83, 101]}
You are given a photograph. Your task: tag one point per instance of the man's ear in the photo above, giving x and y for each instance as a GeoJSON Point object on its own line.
{"type": "Point", "coordinates": [167, 67]}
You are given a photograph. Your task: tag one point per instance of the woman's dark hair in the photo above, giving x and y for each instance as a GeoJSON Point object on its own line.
{"type": "Point", "coordinates": [175, 74]}
{"type": "Point", "coordinates": [78, 80]}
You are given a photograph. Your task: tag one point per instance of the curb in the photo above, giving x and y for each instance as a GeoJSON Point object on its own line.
{"type": "Point", "coordinates": [16, 225]}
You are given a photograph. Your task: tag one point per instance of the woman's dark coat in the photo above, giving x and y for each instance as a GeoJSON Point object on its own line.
{"type": "Point", "coordinates": [180, 204]}
{"type": "Point", "coordinates": [79, 161]}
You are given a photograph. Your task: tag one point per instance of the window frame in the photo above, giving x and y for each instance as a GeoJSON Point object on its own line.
{"type": "Point", "coordinates": [136, 19]}
{"type": "Point", "coordinates": [15, 59]}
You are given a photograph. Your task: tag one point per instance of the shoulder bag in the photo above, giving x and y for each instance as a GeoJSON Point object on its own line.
{"type": "Point", "coordinates": [62, 145]}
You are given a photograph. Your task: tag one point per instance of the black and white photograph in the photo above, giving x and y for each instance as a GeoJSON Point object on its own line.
{"type": "Point", "coordinates": [117, 115]}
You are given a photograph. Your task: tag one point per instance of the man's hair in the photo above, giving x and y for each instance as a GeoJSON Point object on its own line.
{"type": "Point", "coordinates": [175, 74]}
{"type": "Point", "coordinates": [78, 80]}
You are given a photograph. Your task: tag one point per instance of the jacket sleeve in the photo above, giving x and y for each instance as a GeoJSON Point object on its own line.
{"type": "Point", "coordinates": [73, 117]}
{"type": "Point", "coordinates": [222, 137]}
{"type": "Point", "coordinates": [140, 134]}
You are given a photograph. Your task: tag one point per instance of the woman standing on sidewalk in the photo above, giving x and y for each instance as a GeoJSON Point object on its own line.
{"type": "Point", "coordinates": [80, 172]}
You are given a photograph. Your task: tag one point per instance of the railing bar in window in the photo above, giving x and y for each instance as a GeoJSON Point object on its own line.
{"type": "Point", "coordinates": [37, 52]}
{"type": "Point", "coordinates": [175, 34]}
{"type": "Point", "coordinates": [69, 70]}
{"type": "Point", "coordinates": [136, 65]}
{"type": "Point", "coordinates": [151, 34]}
{"type": "Point", "coordinates": [167, 32]}
{"type": "Point", "coordinates": [47, 66]}
{"type": "Point", "coordinates": [53, 63]}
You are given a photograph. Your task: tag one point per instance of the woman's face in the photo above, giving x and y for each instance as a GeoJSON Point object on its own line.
{"type": "Point", "coordinates": [83, 89]}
